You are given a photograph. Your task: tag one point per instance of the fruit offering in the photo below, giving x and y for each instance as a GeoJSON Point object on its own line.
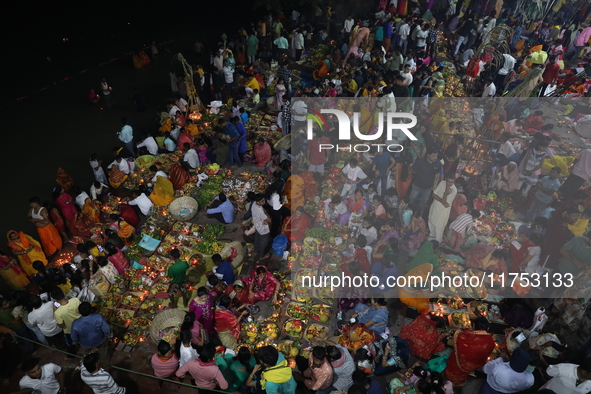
{"type": "Point", "coordinates": [140, 323]}
{"type": "Point", "coordinates": [109, 300]}
{"type": "Point", "coordinates": [151, 306]}
{"type": "Point", "coordinates": [251, 332]}
{"type": "Point", "coordinates": [132, 300]}
{"type": "Point", "coordinates": [356, 336]}
{"type": "Point", "coordinates": [303, 294]}
{"type": "Point", "coordinates": [297, 310]}
{"type": "Point", "coordinates": [169, 334]}
{"type": "Point", "coordinates": [306, 352]}
{"type": "Point", "coordinates": [311, 262]}
{"type": "Point", "coordinates": [132, 338]}
{"type": "Point", "coordinates": [459, 319]}
{"type": "Point", "coordinates": [289, 348]}
{"type": "Point", "coordinates": [321, 313]}
{"type": "Point", "coordinates": [324, 292]}
{"type": "Point", "coordinates": [316, 331]}
{"type": "Point", "coordinates": [294, 328]}
{"type": "Point", "coordinates": [270, 330]}
{"type": "Point", "coordinates": [122, 317]}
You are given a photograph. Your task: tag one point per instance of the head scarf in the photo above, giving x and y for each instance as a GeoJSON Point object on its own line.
{"type": "Point", "coordinates": [280, 373]}
{"type": "Point", "coordinates": [513, 176]}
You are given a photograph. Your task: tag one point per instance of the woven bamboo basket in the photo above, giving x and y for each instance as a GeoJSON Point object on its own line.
{"type": "Point", "coordinates": [184, 208]}
{"type": "Point", "coordinates": [165, 319]}
{"type": "Point", "coordinates": [227, 251]}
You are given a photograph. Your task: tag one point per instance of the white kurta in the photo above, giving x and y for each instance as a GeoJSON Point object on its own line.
{"type": "Point", "coordinates": [438, 214]}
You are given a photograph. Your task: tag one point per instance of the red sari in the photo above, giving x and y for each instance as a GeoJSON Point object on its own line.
{"type": "Point", "coordinates": [66, 203]}
{"type": "Point", "coordinates": [422, 337]}
{"type": "Point", "coordinates": [226, 320]}
{"type": "Point", "coordinates": [178, 176]}
{"type": "Point", "coordinates": [302, 224]}
{"type": "Point", "coordinates": [58, 221]}
{"type": "Point", "coordinates": [263, 289]}
{"type": "Point", "coordinates": [471, 351]}
{"type": "Point", "coordinates": [238, 299]}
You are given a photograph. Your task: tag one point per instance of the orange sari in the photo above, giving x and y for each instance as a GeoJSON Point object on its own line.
{"type": "Point", "coordinates": [126, 232]}
{"type": "Point", "coordinates": [50, 239]}
{"type": "Point", "coordinates": [471, 351]}
{"type": "Point", "coordinates": [90, 211]}
{"type": "Point", "coordinates": [27, 250]}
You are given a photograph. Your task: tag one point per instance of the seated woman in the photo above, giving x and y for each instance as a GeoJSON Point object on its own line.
{"type": "Point", "coordinates": [117, 257]}
{"type": "Point", "coordinates": [458, 207]}
{"type": "Point", "coordinates": [262, 152]}
{"type": "Point", "coordinates": [163, 193]}
{"type": "Point", "coordinates": [296, 225]}
{"type": "Point", "coordinates": [236, 368]}
{"type": "Point", "coordinates": [505, 178]}
{"type": "Point", "coordinates": [262, 285]}
{"type": "Point", "coordinates": [526, 252]}
{"type": "Point", "coordinates": [227, 322]}
{"type": "Point", "coordinates": [416, 234]}
{"type": "Point", "coordinates": [427, 253]}
{"type": "Point", "coordinates": [374, 316]}
{"type": "Point", "coordinates": [107, 269]}
{"type": "Point", "coordinates": [422, 335]}
{"type": "Point", "coordinates": [356, 210]}
{"type": "Point", "coordinates": [361, 255]}
{"type": "Point", "coordinates": [486, 258]}
{"type": "Point", "coordinates": [238, 293]}
{"type": "Point", "coordinates": [390, 355]}
{"type": "Point", "coordinates": [414, 295]}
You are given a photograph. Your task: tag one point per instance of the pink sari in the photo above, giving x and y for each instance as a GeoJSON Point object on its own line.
{"type": "Point", "coordinates": [119, 261]}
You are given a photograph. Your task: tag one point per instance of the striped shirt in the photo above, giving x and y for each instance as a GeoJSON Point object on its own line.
{"type": "Point", "coordinates": [462, 224]}
{"type": "Point", "coordinates": [100, 382]}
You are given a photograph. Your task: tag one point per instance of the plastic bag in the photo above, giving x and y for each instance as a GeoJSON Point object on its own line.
{"type": "Point", "coordinates": [437, 364]}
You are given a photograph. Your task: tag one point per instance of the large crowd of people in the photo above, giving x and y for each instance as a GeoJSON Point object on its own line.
{"type": "Point", "coordinates": [397, 214]}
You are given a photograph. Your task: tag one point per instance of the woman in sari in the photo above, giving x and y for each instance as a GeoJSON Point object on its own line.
{"type": "Point", "coordinates": [505, 178]}
{"type": "Point", "coordinates": [91, 212]}
{"type": "Point", "coordinates": [356, 210]}
{"type": "Point", "coordinates": [422, 336]}
{"type": "Point", "coordinates": [486, 258]}
{"type": "Point", "coordinates": [67, 207]}
{"type": "Point", "coordinates": [262, 285]}
{"type": "Point", "coordinates": [163, 193]}
{"type": "Point", "coordinates": [262, 152]}
{"type": "Point", "coordinates": [413, 295]}
{"type": "Point", "coordinates": [203, 308]}
{"type": "Point", "coordinates": [296, 225]}
{"type": "Point", "coordinates": [64, 179]}
{"type": "Point", "coordinates": [117, 257]}
{"type": "Point", "coordinates": [238, 292]}
{"type": "Point", "coordinates": [416, 234]}
{"type": "Point", "coordinates": [374, 316]}
{"type": "Point", "coordinates": [471, 351]}
{"type": "Point", "coordinates": [80, 230]}
{"type": "Point", "coordinates": [12, 273]}
{"type": "Point", "coordinates": [227, 322]}
{"type": "Point", "coordinates": [178, 176]}
{"type": "Point", "coordinates": [184, 137]}
{"type": "Point", "coordinates": [526, 252]}
{"type": "Point", "coordinates": [56, 219]}
{"type": "Point", "coordinates": [298, 188]}
{"type": "Point", "coordinates": [403, 176]}
{"type": "Point", "coordinates": [458, 207]}
{"type": "Point", "coordinates": [126, 232]}
{"type": "Point", "coordinates": [50, 238]}
{"type": "Point", "coordinates": [26, 249]}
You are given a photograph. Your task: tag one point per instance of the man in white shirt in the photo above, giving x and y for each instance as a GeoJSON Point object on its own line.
{"type": "Point", "coordinates": [150, 144]}
{"type": "Point", "coordinates": [508, 65]}
{"type": "Point", "coordinates": [42, 317]}
{"type": "Point", "coordinates": [410, 60]}
{"type": "Point", "coordinates": [142, 201]}
{"type": "Point", "coordinates": [348, 24]}
{"type": "Point", "coordinates": [172, 109]}
{"type": "Point", "coordinates": [570, 378]}
{"type": "Point", "coordinates": [508, 376]}
{"type": "Point", "coordinates": [42, 379]}
{"type": "Point", "coordinates": [191, 156]}
{"type": "Point", "coordinates": [354, 175]}
{"type": "Point", "coordinates": [407, 75]}
{"type": "Point", "coordinates": [228, 72]}
{"type": "Point", "coordinates": [122, 164]}
{"type": "Point", "coordinates": [98, 190]}
{"type": "Point", "coordinates": [262, 226]}
{"type": "Point", "coordinates": [126, 136]}
{"type": "Point", "coordinates": [403, 32]}
{"type": "Point", "coordinates": [421, 37]}
{"type": "Point", "coordinates": [298, 44]}
{"type": "Point", "coordinates": [489, 88]}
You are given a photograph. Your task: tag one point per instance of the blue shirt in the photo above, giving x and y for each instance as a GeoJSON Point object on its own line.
{"type": "Point", "coordinates": [387, 31]}
{"type": "Point", "coordinates": [169, 144]}
{"type": "Point", "coordinates": [244, 117]}
{"type": "Point", "coordinates": [549, 184]}
{"type": "Point", "coordinates": [90, 331]}
{"type": "Point", "coordinates": [231, 130]}
{"type": "Point", "coordinates": [226, 209]}
{"type": "Point", "coordinates": [382, 162]}
{"type": "Point", "coordinates": [242, 131]}
{"type": "Point", "coordinates": [126, 134]}
{"type": "Point", "coordinates": [225, 269]}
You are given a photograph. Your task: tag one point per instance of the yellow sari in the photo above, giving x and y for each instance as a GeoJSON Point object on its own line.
{"type": "Point", "coordinates": [163, 193]}
{"type": "Point", "coordinates": [192, 129]}
{"type": "Point", "coordinates": [27, 250]}
{"type": "Point", "coordinates": [411, 299]}
{"type": "Point", "coordinates": [294, 189]}
{"type": "Point", "coordinates": [90, 211]}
